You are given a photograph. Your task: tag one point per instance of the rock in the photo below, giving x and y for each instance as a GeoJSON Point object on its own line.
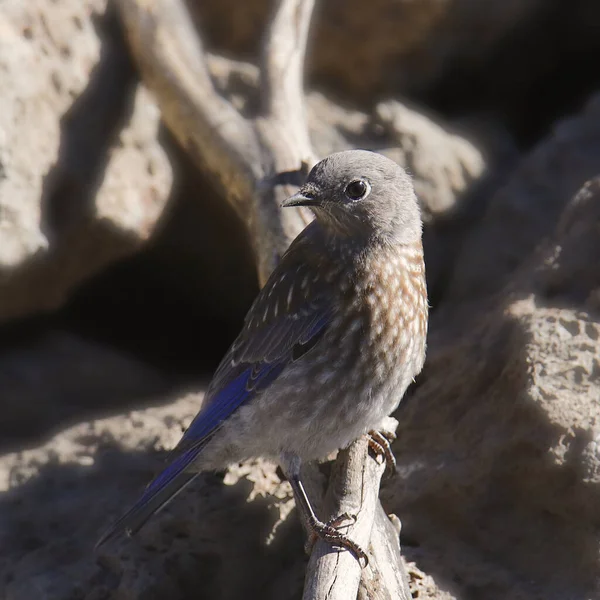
{"type": "Point", "coordinates": [83, 177]}
{"type": "Point", "coordinates": [215, 540]}
{"type": "Point", "coordinates": [390, 46]}
{"type": "Point", "coordinates": [527, 208]}
{"type": "Point", "coordinates": [56, 377]}
{"type": "Point", "coordinates": [500, 471]}
{"type": "Point", "coordinates": [229, 537]}
{"type": "Point", "coordinates": [443, 163]}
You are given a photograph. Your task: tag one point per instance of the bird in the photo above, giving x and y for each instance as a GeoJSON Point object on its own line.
{"type": "Point", "coordinates": [327, 349]}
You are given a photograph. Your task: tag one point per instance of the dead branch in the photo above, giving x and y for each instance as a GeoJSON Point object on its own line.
{"type": "Point", "coordinates": [257, 163]}
{"type": "Point", "coordinates": [385, 578]}
{"type": "Point", "coordinates": [334, 574]}
{"type": "Point", "coordinates": [282, 74]}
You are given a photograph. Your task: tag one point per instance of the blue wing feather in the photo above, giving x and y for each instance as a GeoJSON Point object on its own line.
{"type": "Point", "coordinates": [224, 403]}
{"type": "Point", "coordinates": [271, 339]}
{"type": "Point", "coordinates": [169, 482]}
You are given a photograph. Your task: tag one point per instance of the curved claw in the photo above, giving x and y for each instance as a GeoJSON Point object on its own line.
{"type": "Point", "coordinates": [330, 533]}
{"type": "Point", "coordinates": [380, 442]}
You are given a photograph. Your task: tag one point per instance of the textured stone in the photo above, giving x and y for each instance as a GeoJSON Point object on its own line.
{"type": "Point", "coordinates": [83, 178]}
{"type": "Point", "coordinates": [527, 208]}
{"type": "Point", "coordinates": [232, 538]}
{"type": "Point", "coordinates": [53, 377]}
{"type": "Point", "coordinates": [498, 445]}
{"type": "Point", "coordinates": [215, 540]}
{"type": "Point", "coordinates": [443, 163]}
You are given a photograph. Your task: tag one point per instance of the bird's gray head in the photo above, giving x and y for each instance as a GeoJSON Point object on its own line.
{"type": "Point", "coordinates": [362, 194]}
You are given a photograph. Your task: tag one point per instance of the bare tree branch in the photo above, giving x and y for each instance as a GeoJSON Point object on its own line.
{"type": "Point", "coordinates": [385, 577]}
{"type": "Point", "coordinates": [283, 71]}
{"type": "Point", "coordinates": [247, 158]}
{"type": "Point", "coordinates": [354, 489]}
{"type": "Point", "coordinates": [282, 129]}
{"type": "Point", "coordinates": [173, 64]}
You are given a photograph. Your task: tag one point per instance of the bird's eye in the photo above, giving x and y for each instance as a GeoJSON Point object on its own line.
{"type": "Point", "coordinates": [357, 189]}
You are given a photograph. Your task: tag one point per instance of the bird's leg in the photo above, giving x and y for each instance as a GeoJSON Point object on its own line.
{"type": "Point", "coordinates": [380, 442]}
{"type": "Point", "coordinates": [325, 531]}
{"type": "Point", "coordinates": [329, 531]}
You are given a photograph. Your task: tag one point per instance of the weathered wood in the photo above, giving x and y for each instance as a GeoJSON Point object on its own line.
{"type": "Point", "coordinates": [385, 578]}
{"type": "Point", "coordinates": [334, 574]}
{"type": "Point", "coordinates": [247, 158]}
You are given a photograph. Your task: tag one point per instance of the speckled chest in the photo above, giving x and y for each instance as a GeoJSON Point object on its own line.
{"type": "Point", "coordinates": [380, 332]}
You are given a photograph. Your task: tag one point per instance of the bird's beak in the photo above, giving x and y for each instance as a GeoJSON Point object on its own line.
{"type": "Point", "coordinates": [300, 198]}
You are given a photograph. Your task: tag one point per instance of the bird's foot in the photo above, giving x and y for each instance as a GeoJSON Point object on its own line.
{"type": "Point", "coordinates": [330, 533]}
{"type": "Point", "coordinates": [380, 442]}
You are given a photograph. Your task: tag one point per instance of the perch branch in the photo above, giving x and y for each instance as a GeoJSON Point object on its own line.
{"type": "Point", "coordinates": [385, 578]}
{"type": "Point", "coordinates": [337, 575]}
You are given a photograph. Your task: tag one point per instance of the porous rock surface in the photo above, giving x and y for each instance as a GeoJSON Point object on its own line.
{"type": "Point", "coordinates": [83, 178]}
{"type": "Point", "coordinates": [498, 446]}
{"type": "Point", "coordinates": [527, 207]}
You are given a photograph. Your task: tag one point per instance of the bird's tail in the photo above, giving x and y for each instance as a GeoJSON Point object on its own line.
{"type": "Point", "coordinates": [163, 488]}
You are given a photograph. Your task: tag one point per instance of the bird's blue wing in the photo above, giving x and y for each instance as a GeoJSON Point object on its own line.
{"type": "Point", "coordinates": [287, 319]}
{"type": "Point", "coordinates": [169, 482]}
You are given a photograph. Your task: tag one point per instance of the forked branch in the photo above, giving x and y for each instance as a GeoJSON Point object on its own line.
{"type": "Point", "coordinates": [258, 162]}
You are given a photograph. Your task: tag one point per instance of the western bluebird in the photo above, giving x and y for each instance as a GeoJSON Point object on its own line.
{"type": "Point", "coordinates": [330, 344]}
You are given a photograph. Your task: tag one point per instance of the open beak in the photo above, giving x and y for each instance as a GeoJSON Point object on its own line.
{"type": "Point", "coordinates": [300, 198]}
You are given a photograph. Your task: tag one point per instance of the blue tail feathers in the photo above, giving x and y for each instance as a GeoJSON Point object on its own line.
{"type": "Point", "coordinates": [159, 492]}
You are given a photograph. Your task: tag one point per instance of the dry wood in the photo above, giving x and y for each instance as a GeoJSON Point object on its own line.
{"type": "Point", "coordinates": [385, 578]}
{"type": "Point", "coordinates": [334, 574]}
{"type": "Point", "coordinates": [258, 162]}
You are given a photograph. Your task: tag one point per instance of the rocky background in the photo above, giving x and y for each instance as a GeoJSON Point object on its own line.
{"type": "Point", "coordinates": [124, 276]}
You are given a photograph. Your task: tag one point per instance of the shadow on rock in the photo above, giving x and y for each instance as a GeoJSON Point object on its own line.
{"type": "Point", "coordinates": [210, 542]}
